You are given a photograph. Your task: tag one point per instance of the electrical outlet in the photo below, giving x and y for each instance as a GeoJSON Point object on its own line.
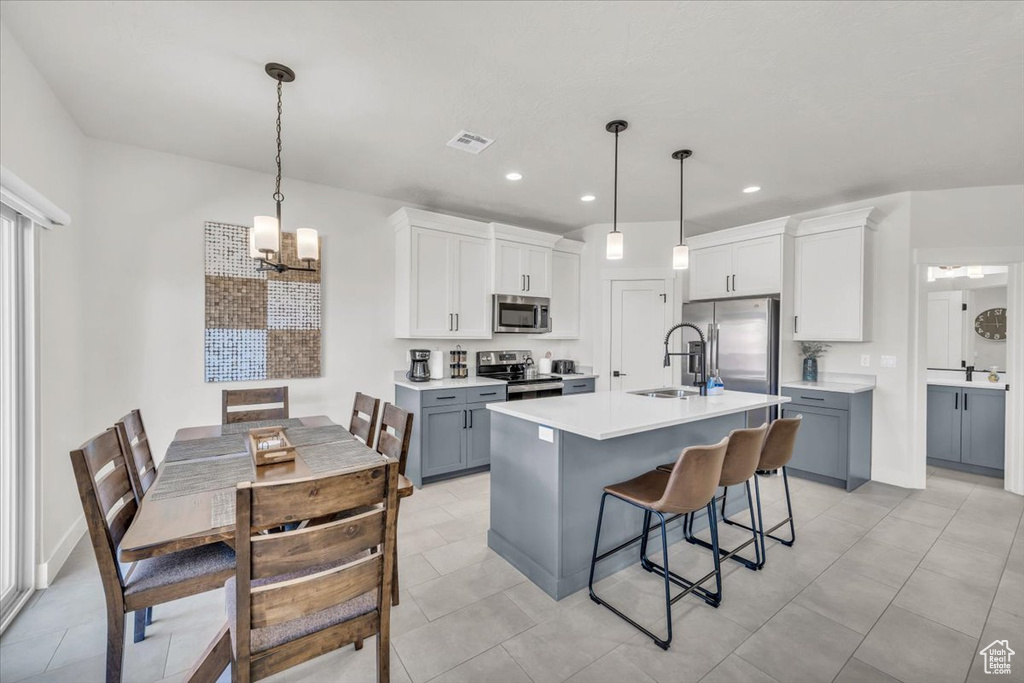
{"type": "Point", "coordinates": [865, 360]}
{"type": "Point", "coordinates": [888, 361]}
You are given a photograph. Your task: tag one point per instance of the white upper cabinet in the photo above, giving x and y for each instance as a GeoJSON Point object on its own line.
{"type": "Point", "coordinates": [743, 261]}
{"type": "Point", "coordinates": [442, 276]}
{"type": "Point", "coordinates": [565, 290]}
{"type": "Point", "coordinates": [522, 260]}
{"type": "Point", "coordinates": [831, 276]}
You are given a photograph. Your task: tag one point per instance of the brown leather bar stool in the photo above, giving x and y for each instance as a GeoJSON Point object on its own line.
{"type": "Point", "coordinates": [689, 487]}
{"type": "Point", "coordinates": [741, 459]}
{"type": "Point", "coordinates": [775, 455]}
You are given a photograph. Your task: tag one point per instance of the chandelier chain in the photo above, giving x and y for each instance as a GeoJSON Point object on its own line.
{"type": "Point", "coordinates": [278, 197]}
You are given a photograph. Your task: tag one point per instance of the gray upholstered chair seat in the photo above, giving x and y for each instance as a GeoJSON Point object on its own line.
{"type": "Point", "coordinates": [262, 639]}
{"type": "Point", "coordinates": [184, 565]}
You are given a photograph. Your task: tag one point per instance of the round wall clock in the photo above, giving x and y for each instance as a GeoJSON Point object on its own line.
{"type": "Point", "coordinates": [991, 324]}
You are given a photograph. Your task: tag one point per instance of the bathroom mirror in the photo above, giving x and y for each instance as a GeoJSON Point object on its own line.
{"type": "Point", "coordinates": [966, 317]}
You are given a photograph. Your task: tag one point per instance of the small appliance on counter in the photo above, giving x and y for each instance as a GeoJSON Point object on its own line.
{"type": "Point", "coordinates": [419, 365]}
{"type": "Point", "coordinates": [511, 366]}
{"type": "Point", "coordinates": [563, 367]}
{"type": "Point", "coordinates": [457, 363]}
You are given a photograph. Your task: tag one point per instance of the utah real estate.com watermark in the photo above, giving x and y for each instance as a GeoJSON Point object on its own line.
{"type": "Point", "coordinates": [997, 657]}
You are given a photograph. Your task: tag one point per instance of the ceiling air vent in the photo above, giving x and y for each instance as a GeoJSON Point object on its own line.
{"type": "Point", "coordinates": [470, 142]}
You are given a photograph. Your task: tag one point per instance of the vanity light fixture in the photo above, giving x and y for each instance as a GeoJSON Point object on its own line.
{"type": "Point", "coordinates": [681, 252]}
{"type": "Point", "coordinates": [975, 272]}
{"type": "Point", "coordinates": [513, 176]}
{"type": "Point", "coordinates": [752, 189]}
{"type": "Point", "coordinates": [613, 247]}
{"type": "Point", "coordinates": [587, 198]}
{"type": "Point", "coordinates": [265, 235]}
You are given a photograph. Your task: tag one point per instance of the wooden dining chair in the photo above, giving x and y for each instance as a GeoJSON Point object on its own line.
{"type": "Point", "coordinates": [395, 444]}
{"type": "Point", "coordinates": [364, 418]}
{"type": "Point", "coordinates": [109, 504]}
{"type": "Point", "coordinates": [141, 468]}
{"type": "Point", "coordinates": [245, 402]}
{"type": "Point", "coordinates": [302, 593]}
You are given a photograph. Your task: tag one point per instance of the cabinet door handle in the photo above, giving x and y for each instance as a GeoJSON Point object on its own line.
{"type": "Point", "coordinates": [527, 283]}
{"type": "Point", "coordinates": [811, 398]}
{"type": "Point", "coordinates": [734, 282]}
{"type": "Point", "coordinates": [463, 419]}
{"type": "Point", "coordinates": [578, 386]}
{"type": "Point", "coordinates": [796, 324]}
{"type": "Point", "coordinates": [522, 283]}
{"type": "Point", "coordinates": [456, 322]}
{"type": "Point", "coordinates": [446, 398]}
{"type": "Point", "coordinates": [470, 413]}
{"type": "Point", "coordinates": [956, 401]}
{"type": "Point", "coordinates": [965, 401]}
{"type": "Point", "coordinates": [727, 283]}
{"type": "Point", "coordinates": [450, 322]}
{"type": "Point", "coordinates": [490, 393]}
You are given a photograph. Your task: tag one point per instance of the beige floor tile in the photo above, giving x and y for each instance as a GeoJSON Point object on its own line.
{"type": "Point", "coordinates": [29, 657]}
{"type": "Point", "coordinates": [418, 542]}
{"type": "Point", "coordinates": [983, 537]}
{"type": "Point", "coordinates": [830, 533]}
{"type": "Point", "coordinates": [454, 591]}
{"type": "Point", "coordinates": [735, 669]}
{"type": "Point", "coordinates": [847, 598]}
{"type": "Point", "coordinates": [752, 598]}
{"type": "Point", "coordinates": [86, 671]}
{"type": "Point", "coordinates": [463, 527]}
{"type": "Point", "coordinates": [414, 570]}
{"type": "Point", "coordinates": [1000, 625]}
{"type": "Point", "coordinates": [857, 671]}
{"type": "Point", "coordinates": [460, 554]}
{"type": "Point", "coordinates": [344, 665]}
{"type": "Point", "coordinates": [495, 665]}
{"type": "Point", "coordinates": [421, 519]}
{"type": "Point", "coordinates": [911, 648]}
{"type": "Point", "coordinates": [433, 649]}
{"type": "Point", "coordinates": [614, 667]}
{"type": "Point", "coordinates": [927, 514]}
{"type": "Point", "coordinates": [880, 561]}
{"type": "Point", "coordinates": [81, 642]}
{"type": "Point", "coordinates": [407, 615]}
{"type": "Point", "coordinates": [961, 605]}
{"type": "Point", "coordinates": [964, 564]}
{"type": "Point", "coordinates": [469, 507]}
{"type": "Point", "coordinates": [800, 646]}
{"type": "Point", "coordinates": [858, 512]}
{"type": "Point", "coordinates": [937, 494]}
{"type": "Point", "coordinates": [1010, 594]}
{"type": "Point", "coordinates": [911, 536]}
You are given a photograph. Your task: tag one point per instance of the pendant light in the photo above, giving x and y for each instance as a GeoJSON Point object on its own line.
{"type": "Point", "coordinates": [613, 248]}
{"type": "Point", "coordinates": [681, 252]}
{"type": "Point", "coordinates": [265, 235]}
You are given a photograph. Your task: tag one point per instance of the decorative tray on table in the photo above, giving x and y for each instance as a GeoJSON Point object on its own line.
{"type": "Point", "coordinates": [270, 446]}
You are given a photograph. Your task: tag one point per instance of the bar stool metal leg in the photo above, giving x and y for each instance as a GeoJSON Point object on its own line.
{"type": "Point", "coordinates": [767, 533]}
{"type": "Point", "coordinates": [754, 528]}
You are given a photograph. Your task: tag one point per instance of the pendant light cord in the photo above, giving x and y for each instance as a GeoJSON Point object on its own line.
{"type": "Point", "coordinates": [682, 162]}
{"type": "Point", "coordinates": [278, 197]}
{"type": "Point", "coordinates": [615, 190]}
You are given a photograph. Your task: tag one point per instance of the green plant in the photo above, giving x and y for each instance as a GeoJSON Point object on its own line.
{"type": "Point", "coordinates": [814, 349]}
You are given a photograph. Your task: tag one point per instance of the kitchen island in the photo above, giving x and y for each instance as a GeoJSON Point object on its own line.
{"type": "Point", "coordinates": [552, 457]}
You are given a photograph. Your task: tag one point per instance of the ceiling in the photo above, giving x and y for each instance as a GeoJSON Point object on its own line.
{"type": "Point", "coordinates": [818, 103]}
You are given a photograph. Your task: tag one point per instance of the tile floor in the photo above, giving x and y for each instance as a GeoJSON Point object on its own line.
{"type": "Point", "coordinates": [883, 584]}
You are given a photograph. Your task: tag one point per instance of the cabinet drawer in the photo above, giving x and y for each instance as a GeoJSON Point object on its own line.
{"type": "Point", "coordinates": [443, 397]}
{"type": "Point", "coordinates": [485, 394]}
{"type": "Point", "coordinates": [577, 386]}
{"type": "Point", "coordinates": [821, 399]}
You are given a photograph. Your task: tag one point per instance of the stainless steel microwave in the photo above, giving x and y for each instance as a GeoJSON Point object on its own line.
{"type": "Point", "coordinates": [523, 314]}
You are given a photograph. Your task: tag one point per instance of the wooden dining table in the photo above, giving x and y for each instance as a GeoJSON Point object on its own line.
{"type": "Point", "coordinates": [169, 524]}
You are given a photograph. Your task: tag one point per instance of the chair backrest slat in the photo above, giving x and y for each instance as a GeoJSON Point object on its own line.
{"type": "Point", "coordinates": [113, 487]}
{"type": "Point", "coordinates": [364, 418]}
{"type": "Point", "coordinates": [290, 551]}
{"type": "Point", "coordinates": [235, 398]}
{"type": "Point", "coordinates": [395, 445]}
{"type": "Point", "coordinates": [135, 444]}
{"type": "Point", "coordinates": [298, 597]}
{"type": "Point", "coordinates": [121, 520]}
{"type": "Point", "coordinates": [297, 501]}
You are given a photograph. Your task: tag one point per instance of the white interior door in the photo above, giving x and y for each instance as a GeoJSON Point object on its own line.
{"type": "Point", "coordinates": [945, 329]}
{"type": "Point", "coordinates": [640, 317]}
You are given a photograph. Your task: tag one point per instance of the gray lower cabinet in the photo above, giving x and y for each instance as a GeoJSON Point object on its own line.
{"type": "Point", "coordinates": [833, 445]}
{"type": "Point", "coordinates": [451, 431]}
{"type": "Point", "coordinates": [967, 427]}
{"type": "Point", "coordinates": [577, 386]}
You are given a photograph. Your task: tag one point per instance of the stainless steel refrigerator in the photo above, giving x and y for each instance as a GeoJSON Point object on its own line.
{"type": "Point", "coordinates": [743, 346]}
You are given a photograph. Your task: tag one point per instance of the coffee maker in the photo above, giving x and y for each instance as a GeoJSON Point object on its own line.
{"type": "Point", "coordinates": [419, 368]}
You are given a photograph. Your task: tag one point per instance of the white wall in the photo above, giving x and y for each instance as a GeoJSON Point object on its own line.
{"type": "Point", "coordinates": [44, 147]}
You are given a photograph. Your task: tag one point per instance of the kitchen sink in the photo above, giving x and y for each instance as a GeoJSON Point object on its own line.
{"type": "Point", "coordinates": [668, 392]}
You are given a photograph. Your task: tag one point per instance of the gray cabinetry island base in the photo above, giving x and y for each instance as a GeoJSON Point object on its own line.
{"type": "Point", "coordinates": [545, 494]}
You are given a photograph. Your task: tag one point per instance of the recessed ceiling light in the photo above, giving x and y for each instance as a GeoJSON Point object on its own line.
{"type": "Point", "coordinates": [587, 198]}
{"type": "Point", "coordinates": [514, 176]}
{"type": "Point", "coordinates": [752, 189]}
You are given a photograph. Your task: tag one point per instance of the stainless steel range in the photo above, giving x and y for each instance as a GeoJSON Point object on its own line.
{"type": "Point", "coordinates": [516, 368]}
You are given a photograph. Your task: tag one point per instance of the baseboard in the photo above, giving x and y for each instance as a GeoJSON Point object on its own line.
{"type": "Point", "coordinates": [47, 571]}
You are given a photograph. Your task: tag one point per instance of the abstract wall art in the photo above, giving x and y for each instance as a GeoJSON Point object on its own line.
{"type": "Point", "coordinates": [259, 325]}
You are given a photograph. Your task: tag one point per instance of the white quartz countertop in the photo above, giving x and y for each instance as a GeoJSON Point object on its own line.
{"type": "Point", "coordinates": [975, 384]}
{"type": "Point", "coordinates": [610, 414]}
{"type": "Point", "coordinates": [838, 387]}
{"type": "Point", "coordinates": [472, 381]}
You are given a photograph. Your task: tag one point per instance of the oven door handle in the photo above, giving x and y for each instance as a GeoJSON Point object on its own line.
{"type": "Point", "coordinates": [541, 386]}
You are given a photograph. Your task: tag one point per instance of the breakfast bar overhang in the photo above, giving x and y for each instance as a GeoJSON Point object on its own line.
{"type": "Point", "coordinates": [552, 457]}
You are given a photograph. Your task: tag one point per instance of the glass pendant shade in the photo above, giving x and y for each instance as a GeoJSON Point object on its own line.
{"type": "Point", "coordinates": [253, 251]}
{"type": "Point", "coordinates": [307, 244]}
{"type": "Point", "coordinates": [681, 257]}
{"type": "Point", "coordinates": [613, 251]}
{"type": "Point", "coordinates": [267, 236]}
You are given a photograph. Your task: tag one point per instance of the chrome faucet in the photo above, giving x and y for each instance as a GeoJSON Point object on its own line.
{"type": "Point", "coordinates": [700, 355]}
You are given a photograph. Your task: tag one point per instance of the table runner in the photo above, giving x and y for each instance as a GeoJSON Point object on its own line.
{"type": "Point", "coordinates": [338, 456]}
{"type": "Point", "coordinates": [243, 427]}
{"type": "Point", "coordinates": [188, 449]}
{"type": "Point", "coordinates": [196, 476]}
{"type": "Point", "coordinates": [307, 436]}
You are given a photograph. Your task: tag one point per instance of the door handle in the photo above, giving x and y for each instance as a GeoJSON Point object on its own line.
{"type": "Point", "coordinates": [527, 283]}
{"type": "Point", "coordinates": [616, 373]}
{"type": "Point", "coordinates": [734, 282]}
{"type": "Point", "coordinates": [727, 283]}
{"type": "Point", "coordinates": [965, 401]}
{"type": "Point", "coordinates": [522, 283]}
